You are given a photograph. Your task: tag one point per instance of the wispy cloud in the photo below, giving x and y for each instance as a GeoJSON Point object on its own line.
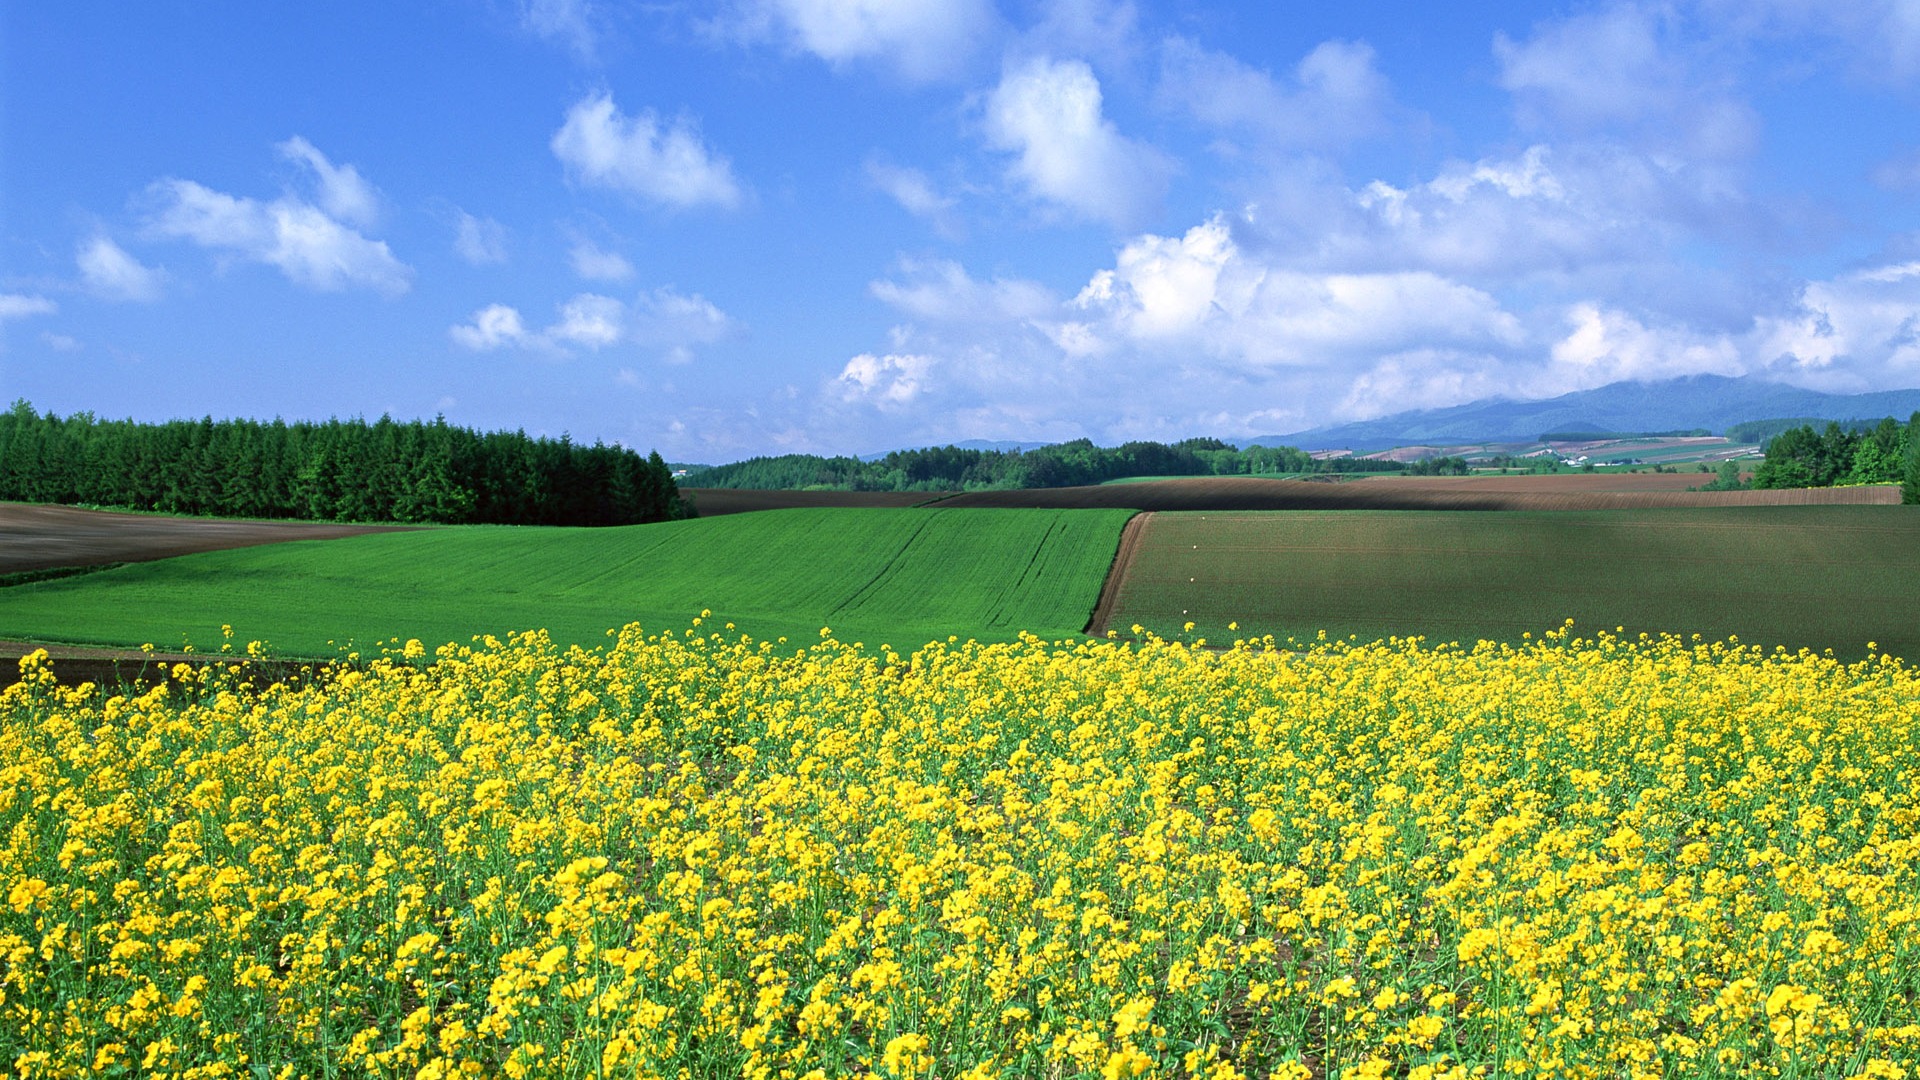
{"type": "Point", "coordinates": [111, 272]}
{"type": "Point", "coordinates": [22, 306]}
{"type": "Point", "coordinates": [480, 241]}
{"type": "Point", "coordinates": [920, 40]}
{"type": "Point", "coordinates": [304, 241]}
{"type": "Point", "coordinates": [669, 164]}
{"type": "Point", "coordinates": [593, 264]}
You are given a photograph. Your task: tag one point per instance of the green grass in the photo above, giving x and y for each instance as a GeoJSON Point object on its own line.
{"type": "Point", "coordinates": [1814, 576]}
{"type": "Point", "coordinates": [901, 576]}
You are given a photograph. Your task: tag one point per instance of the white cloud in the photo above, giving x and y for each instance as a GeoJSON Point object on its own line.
{"type": "Point", "coordinates": [679, 321]}
{"type": "Point", "coordinates": [21, 306]}
{"type": "Point", "coordinates": [942, 291]}
{"type": "Point", "coordinates": [59, 342]}
{"type": "Point", "coordinates": [1853, 332]}
{"type": "Point", "coordinates": [1881, 38]}
{"type": "Point", "coordinates": [921, 40]}
{"type": "Point", "coordinates": [479, 240]}
{"type": "Point", "coordinates": [309, 243]}
{"type": "Point", "coordinates": [492, 327]}
{"type": "Point", "coordinates": [590, 320]}
{"type": "Point", "coordinates": [1104, 31]}
{"type": "Point", "coordinates": [594, 264]}
{"type": "Point", "coordinates": [1201, 291]}
{"type": "Point", "coordinates": [1335, 96]}
{"type": "Point", "coordinates": [1623, 70]}
{"type": "Point", "coordinates": [571, 23]}
{"type": "Point", "coordinates": [915, 193]}
{"type": "Point", "coordinates": [1605, 346]}
{"type": "Point", "coordinates": [344, 193]}
{"type": "Point", "coordinates": [666, 319]}
{"type": "Point", "coordinates": [669, 165]}
{"type": "Point", "coordinates": [1069, 154]}
{"type": "Point", "coordinates": [109, 271]}
{"type": "Point", "coordinates": [888, 382]}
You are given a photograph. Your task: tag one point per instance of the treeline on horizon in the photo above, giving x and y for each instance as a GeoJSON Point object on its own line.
{"type": "Point", "coordinates": [1857, 452]}
{"type": "Point", "coordinates": [1069, 464]}
{"type": "Point", "coordinates": [338, 470]}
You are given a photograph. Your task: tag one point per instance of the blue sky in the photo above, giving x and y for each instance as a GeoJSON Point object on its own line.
{"type": "Point", "coordinates": [762, 226]}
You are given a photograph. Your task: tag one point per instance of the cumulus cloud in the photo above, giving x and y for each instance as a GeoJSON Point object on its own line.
{"type": "Point", "coordinates": [308, 243]}
{"type": "Point", "coordinates": [1335, 95]}
{"type": "Point", "coordinates": [889, 382]}
{"type": "Point", "coordinates": [1202, 291]}
{"type": "Point", "coordinates": [21, 306]}
{"type": "Point", "coordinates": [667, 164]}
{"type": "Point", "coordinates": [479, 241]}
{"type": "Point", "coordinates": [492, 327]}
{"type": "Point", "coordinates": [673, 322]}
{"type": "Point", "coordinates": [1068, 154]}
{"type": "Point", "coordinates": [594, 264]}
{"type": "Point", "coordinates": [921, 40]}
{"type": "Point", "coordinates": [109, 271]}
{"type": "Point", "coordinates": [591, 321]}
{"type": "Point", "coordinates": [1852, 332]}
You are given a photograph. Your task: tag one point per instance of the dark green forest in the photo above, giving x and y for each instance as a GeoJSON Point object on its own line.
{"type": "Point", "coordinates": [1886, 452]}
{"type": "Point", "coordinates": [339, 470]}
{"type": "Point", "coordinates": [1069, 464]}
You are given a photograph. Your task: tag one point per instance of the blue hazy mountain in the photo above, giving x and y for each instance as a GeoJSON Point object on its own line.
{"type": "Point", "coordinates": [1713, 402]}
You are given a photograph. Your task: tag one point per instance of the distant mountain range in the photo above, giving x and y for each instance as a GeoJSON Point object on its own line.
{"type": "Point", "coordinates": [1713, 402]}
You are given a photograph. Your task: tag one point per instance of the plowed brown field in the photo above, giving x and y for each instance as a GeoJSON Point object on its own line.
{"type": "Point", "coordinates": [1801, 576]}
{"type": "Point", "coordinates": [1627, 491]}
{"type": "Point", "coordinates": [43, 537]}
{"type": "Point", "coordinates": [715, 502]}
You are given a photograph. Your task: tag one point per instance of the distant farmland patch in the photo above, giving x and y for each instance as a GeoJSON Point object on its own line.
{"type": "Point", "coordinates": [719, 502]}
{"type": "Point", "coordinates": [902, 576]}
{"type": "Point", "coordinates": [1595, 491]}
{"type": "Point", "coordinates": [1814, 576]}
{"type": "Point", "coordinates": [34, 537]}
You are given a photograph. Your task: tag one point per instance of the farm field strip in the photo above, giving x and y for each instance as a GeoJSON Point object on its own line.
{"type": "Point", "coordinates": [704, 856]}
{"type": "Point", "coordinates": [1584, 492]}
{"type": "Point", "coordinates": [1818, 577]}
{"type": "Point", "coordinates": [900, 575]}
{"type": "Point", "coordinates": [35, 537]}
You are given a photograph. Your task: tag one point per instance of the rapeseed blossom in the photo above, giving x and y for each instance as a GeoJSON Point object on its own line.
{"type": "Point", "coordinates": [697, 855]}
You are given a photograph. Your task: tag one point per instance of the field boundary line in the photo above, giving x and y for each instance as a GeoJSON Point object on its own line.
{"type": "Point", "coordinates": [1131, 535]}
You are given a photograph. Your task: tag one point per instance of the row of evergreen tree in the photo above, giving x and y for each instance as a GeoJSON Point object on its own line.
{"type": "Point", "coordinates": [1887, 452]}
{"type": "Point", "coordinates": [340, 470]}
{"type": "Point", "coordinates": [952, 468]}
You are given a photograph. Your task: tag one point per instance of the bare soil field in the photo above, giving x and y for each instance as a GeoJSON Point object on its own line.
{"type": "Point", "coordinates": [1800, 576]}
{"type": "Point", "coordinates": [716, 502]}
{"type": "Point", "coordinates": [1597, 491]}
{"type": "Point", "coordinates": [34, 537]}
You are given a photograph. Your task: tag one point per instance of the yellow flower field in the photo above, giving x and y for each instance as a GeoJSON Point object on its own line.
{"type": "Point", "coordinates": [688, 856]}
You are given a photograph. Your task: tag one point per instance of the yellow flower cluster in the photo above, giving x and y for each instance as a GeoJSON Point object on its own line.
{"type": "Point", "coordinates": [694, 855]}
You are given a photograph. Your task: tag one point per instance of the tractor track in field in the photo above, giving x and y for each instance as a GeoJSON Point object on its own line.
{"type": "Point", "coordinates": [1131, 536]}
